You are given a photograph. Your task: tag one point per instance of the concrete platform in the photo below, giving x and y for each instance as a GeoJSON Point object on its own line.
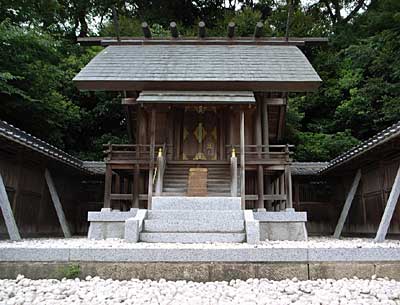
{"type": "Point", "coordinates": [189, 238]}
{"type": "Point", "coordinates": [173, 225]}
{"type": "Point", "coordinates": [201, 262]}
{"type": "Point", "coordinates": [196, 203]}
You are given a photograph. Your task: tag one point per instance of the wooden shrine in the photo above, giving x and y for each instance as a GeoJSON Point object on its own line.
{"type": "Point", "coordinates": [213, 103]}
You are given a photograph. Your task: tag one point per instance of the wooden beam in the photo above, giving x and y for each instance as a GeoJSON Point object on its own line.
{"type": "Point", "coordinates": [174, 30]}
{"type": "Point", "coordinates": [347, 205]}
{"type": "Point", "coordinates": [146, 30]}
{"type": "Point", "coordinates": [57, 204]}
{"type": "Point", "coordinates": [202, 29]}
{"type": "Point", "coordinates": [89, 41]}
{"type": "Point", "coordinates": [231, 29]}
{"type": "Point", "coordinates": [242, 162]}
{"type": "Point", "coordinates": [129, 101]}
{"type": "Point", "coordinates": [275, 101]}
{"type": "Point", "coordinates": [107, 186]}
{"type": "Point", "coordinates": [152, 151]}
{"type": "Point", "coordinates": [389, 209]}
{"type": "Point", "coordinates": [258, 31]}
{"type": "Point", "coordinates": [8, 213]}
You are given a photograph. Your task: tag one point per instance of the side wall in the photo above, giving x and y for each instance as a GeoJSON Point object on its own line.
{"type": "Point", "coordinates": [23, 175]}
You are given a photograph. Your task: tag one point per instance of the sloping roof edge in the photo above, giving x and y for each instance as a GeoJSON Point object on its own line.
{"type": "Point", "coordinates": [376, 140]}
{"type": "Point", "coordinates": [21, 137]}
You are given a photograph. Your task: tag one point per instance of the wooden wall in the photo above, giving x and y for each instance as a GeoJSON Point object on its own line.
{"type": "Point", "coordinates": [323, 198]}
{"type": "Point", "coordinates": [23, 174]}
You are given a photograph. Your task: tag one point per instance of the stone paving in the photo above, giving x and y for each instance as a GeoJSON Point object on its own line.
{"type": "Point", "coordinates": [23, 291]}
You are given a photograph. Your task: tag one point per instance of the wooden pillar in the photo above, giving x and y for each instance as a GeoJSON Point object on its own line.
{"type": "Point", "coordinates": [107, 186]}
{"type": "Point", "coordinates": [389, 209]}
{"type": "Point", "coordinates": [282, 190]}
{"type": "Point", "coordinates": [170, 135]}
{"type": "Point", "coordinates": [288, 185]}
{"type": "Point", "coordinates": [347, 204]}
{"type": "Point", "coordinates": [57, 204]}
{"type": "Point", "coordinates": [260, 170]}
{"type": "Point", "coordinates": [152, 151]}
{"type": "Point", "coordinates": [8, 213]}
{"type": "Point", "coordinates": [265, 135]}
{"type": "Point", "coordinates": [234, 182]}
{"type": "Point", "coordinates": [242, 162]}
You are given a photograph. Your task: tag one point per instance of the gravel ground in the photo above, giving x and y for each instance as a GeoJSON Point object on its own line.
{"type": "Point", "coordinates": [253, 291]}
{"type": "Point", "coordinates": [82, 242]}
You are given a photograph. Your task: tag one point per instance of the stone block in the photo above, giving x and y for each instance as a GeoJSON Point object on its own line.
{"type": "Point", "coordinates": [252, 228]}
{"type": "Point", "coordinates": [232, 271]}
{"type": "Point", "coordinates": [283, 231]}
{"type": "Point", "coordinates": [195, 203]}
{"type": "Point", "coordinates": [390, 270]}
{"type": "Point", "coordinates": [190, 238]}
{"type": "Point", "coordinates": [279, 271]}
{"type": "Point", "coordinates": [195, 225]}
{"type": "Point", "coordinates": [133, 226]}
{"type": "Point", "coordinates": [341, 270]}
{"type": "Point", "coordinates": [198, 272]}
{"type": "Point", "coordinates": [286, 216]}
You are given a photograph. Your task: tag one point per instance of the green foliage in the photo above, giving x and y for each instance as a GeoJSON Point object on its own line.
{"type": "Point", "coordinates": [360, 67]}
{"type": "Point", "coordinates": [71, 271]}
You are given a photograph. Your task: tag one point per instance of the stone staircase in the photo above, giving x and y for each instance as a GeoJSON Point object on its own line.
{"type": "Point", "coordinates": [194, 220]}
{"type": "Point", "coordinates": [176, 180]}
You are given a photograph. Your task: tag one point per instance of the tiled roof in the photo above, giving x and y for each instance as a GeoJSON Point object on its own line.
{"type": "Point", "coordinates": [307, 168]}
{"type": "Point", "coordinates": [14, 134]}
{"type": "Point", "coordinates": [378, 139]}
{"type": "Point", "coordinates": [95, 167]}
{"type": "Point", "coordinates": [244, 63]}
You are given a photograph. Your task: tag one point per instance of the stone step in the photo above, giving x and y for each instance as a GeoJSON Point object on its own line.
{"type": "Point", "coordinates": [189, 238]}
{"type": "Point", "coordinates": [209, 215]}
{"type": "Point", "coordinates": [195, 203]}
{"type": "Point", "coordinates": [193, 226]}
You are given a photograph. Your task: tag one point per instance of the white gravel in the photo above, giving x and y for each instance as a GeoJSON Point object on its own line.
{"type": "Point", "coordinates": [253, 291]}
{"type": "Point", "coordinates": [81, 242]}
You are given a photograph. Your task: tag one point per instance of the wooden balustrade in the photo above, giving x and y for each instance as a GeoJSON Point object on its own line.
{"type": "Point", "coordinates": [260, 153]}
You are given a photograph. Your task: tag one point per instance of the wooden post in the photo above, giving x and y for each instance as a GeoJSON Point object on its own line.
{"type": "Point", "coordinates": [146, 30]}
{"type": "Point", "coordinates": [152, 150]}
{"type": "Point", "coordinates": [242, 162]}
{"type": "Point", "coordinates": [265, 135]}
{"type": "Point", "coordinates": [389, 209]}
{"type": "Point", "coordinates": [160, 173]}
{"type": "Point", "coordinates": [288, 184]}
{"type": "Point", "coordinates": [231, 29]}
{"type": "Point", "coordinates": [174, 29]}
{"type": "Point", "coordinates": [260, 170]}
{"type": "Point", "coordinates": [347, 204]}
{"type": "Point", "coordinates": [8, 213]}
{"type": "Point", "coordinates": [282, 190]}
{"type": "Point", "coordinates": [107, 186]}
{"type": "Point", "coordinates": [57, 204]}
{"type": "Point", "coordinates": [234, 177]}
{"type": "Point", "coordinates": [202, 29]}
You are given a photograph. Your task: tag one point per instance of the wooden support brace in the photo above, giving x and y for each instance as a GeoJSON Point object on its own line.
{"type": "Point", "coordinates": [347, 205]}
{"type": "Point", "coordinates": [389, 209]}
{"type": "Point", "coordinates": [8, 213]}
{"type": "Point", "coordinates": [57, 204]}
{"type": "Point", "coordinates": [107, 186]}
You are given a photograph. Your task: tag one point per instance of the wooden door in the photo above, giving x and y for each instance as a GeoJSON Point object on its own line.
{"type": "Point", "coordinates": [200, 136]}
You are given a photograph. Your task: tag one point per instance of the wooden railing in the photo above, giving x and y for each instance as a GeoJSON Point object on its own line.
{"type": "Point", "coordinates": [262, 152]}
{"type": "Point", "coordinates": [139, 152]}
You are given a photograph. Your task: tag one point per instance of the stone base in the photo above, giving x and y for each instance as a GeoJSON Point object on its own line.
{"type": "Point", "coordinates": [108, 223]}
{"type": "Point", "coordinates": [287, 225]}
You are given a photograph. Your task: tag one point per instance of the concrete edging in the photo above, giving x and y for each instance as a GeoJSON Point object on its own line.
{"type": "Point", "coordinates": [186, 254]}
